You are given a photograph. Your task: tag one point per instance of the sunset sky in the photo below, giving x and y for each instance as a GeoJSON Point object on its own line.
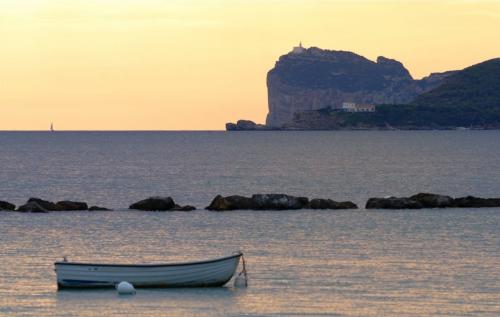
{"type": "Point", "coordinates": [196, 64]}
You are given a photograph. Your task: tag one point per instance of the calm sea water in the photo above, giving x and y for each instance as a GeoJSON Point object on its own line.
{"type": "Point", "coordinates": [301, 263]}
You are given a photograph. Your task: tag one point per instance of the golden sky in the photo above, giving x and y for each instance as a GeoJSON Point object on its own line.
{"type": "Point", "coordinates": [197, 64]}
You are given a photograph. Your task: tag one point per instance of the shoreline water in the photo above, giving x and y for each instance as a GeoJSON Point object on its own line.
{"type": "Point", "coordinates": [301, 262]}
{"type": "Point", "coordinates": [314, 263]}
{"type": "Point", "coordinates": [110, 168]}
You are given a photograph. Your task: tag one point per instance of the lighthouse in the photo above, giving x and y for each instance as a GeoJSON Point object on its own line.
{"type": "Point", "coordinates": [298, 49]}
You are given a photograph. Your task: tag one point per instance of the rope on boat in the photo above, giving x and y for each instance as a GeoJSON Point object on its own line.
{"type": "Point", "coordinates": [243, 273]}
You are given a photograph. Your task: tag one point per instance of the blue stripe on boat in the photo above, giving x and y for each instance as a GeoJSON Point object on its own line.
{"type": "Point", "coordinates": [73, 282]}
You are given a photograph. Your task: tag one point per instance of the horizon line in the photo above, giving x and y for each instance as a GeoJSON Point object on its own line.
{"type": "Point", "coordinates": [56, 131]}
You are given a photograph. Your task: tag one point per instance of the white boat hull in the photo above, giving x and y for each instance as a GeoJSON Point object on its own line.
{"type": "Point", "coordinates": [216, 272]}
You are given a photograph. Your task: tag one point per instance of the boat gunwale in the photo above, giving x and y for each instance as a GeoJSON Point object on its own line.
{"type": "Point", "coordinates": [237, 255]}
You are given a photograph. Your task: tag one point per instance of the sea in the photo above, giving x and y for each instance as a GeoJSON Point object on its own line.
{"type": "Point", "coordinates": [430, 262]}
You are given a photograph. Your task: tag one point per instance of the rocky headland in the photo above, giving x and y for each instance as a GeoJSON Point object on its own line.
{"type": "Point", "coordinates": [308, 87]}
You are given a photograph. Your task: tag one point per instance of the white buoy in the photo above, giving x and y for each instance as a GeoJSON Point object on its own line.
{"type": "Point", "coordinates": [125, 288]}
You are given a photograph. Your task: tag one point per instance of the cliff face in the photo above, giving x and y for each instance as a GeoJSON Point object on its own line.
{"type": "Point", "coordinates": [317, 79]}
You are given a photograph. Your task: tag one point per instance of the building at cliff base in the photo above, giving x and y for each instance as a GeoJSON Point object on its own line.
{"type": "Point", "coordinates": [357, 107]}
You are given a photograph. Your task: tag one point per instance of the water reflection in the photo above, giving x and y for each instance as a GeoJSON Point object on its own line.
{"type": "Point", "coordinates": [314, 263]}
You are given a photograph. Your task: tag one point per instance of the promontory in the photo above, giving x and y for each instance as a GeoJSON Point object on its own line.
{"type": "Point", "coordinates": [317, 89]}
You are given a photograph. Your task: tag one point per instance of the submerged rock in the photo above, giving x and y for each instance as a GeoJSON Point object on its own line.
{"type": "Point", "coordinates": [67, 205]}
{"type": "Point", "coordinates": [4, 205]}
{"type": "Point", "coordinates": [97, 208]}
{"type": "Point", "coordinates": [393, 203]}
{"type": "Point", "coordinates": [184, 208]}
{"type": "Point", "coordinates": [154, 204]}
{"type": "Point", "coordinates": [319, 203]}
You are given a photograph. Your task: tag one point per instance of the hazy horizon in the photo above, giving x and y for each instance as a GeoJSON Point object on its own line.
{"type": "Point", "coordinates": [191, 65]}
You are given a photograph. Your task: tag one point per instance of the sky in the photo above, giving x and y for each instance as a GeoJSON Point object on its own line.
{"type": "Point", "coordinates": [197, 64]}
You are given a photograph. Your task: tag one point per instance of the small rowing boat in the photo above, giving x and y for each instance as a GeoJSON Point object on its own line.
{"type": "Point", "coordinates": [207, 273]}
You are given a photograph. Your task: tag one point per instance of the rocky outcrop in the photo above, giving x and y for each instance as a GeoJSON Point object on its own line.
{"type": "Point", "coordinates": [154, 204]}
{"type": "Point", "coordinates": [245, 125]}
{"type": "Point", "coordinates": [67, 205]}
{"type": "Point", "coordinates": [4, 205]}
{"type": "Point", "coordinates": [317, 79]}
{"type": "Point", "coordinates": [318, 203]}
{"type": "Point", "coordinates": [274, 202]}
{"type": "Point", "coordinates": [40, 205]}
{"type": "Point", "coordinates": [160, 204]}
{"type": "Point", "coordinates": [427, 200]}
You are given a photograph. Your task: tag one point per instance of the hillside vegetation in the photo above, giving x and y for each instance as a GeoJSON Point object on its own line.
{"type": "Point", "coordinates": [469, 98]}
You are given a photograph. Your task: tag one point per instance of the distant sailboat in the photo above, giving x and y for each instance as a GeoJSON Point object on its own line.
{"type": "Point", "coordinates": [51, 127]}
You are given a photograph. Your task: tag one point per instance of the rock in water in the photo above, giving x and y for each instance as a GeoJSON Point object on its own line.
{"type": "Point", "coordinates": [393, 203]}
{"type": "Point", "coordinates": [184, 208]}
{"type": "Point", "coordinates": [278, 202]}
{"type": "Point", "coordinates": [258, 202]}
{"type": "Point", "coordinates": [234, 202]}
{"type": "Point", "coordinates": [426, 200]}
{"type": "Point", "coordinates": [154, 204]}
{"type": "Point", "coordinates": [433, 200]}
{"type": "Point", "coordinates": [67, 205]}
{"type": "Point", "coordinates": [476, 202]}
{"type": "Point", "coordinates": [32, 206]}
{"type": "Point", "coordinates": [45, 204]}
{"type": "Point", "coordinates": [4, 205]}
{"type": "Point", "coordinates": [97, 208]}
{"type": "Point", "coordinates": [245, 125]}
{"type": "Point", "coordinates": [318, 203]}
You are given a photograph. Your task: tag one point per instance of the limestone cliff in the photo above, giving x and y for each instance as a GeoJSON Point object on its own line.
{"type": "Point", "coordinates": [316, 79]}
